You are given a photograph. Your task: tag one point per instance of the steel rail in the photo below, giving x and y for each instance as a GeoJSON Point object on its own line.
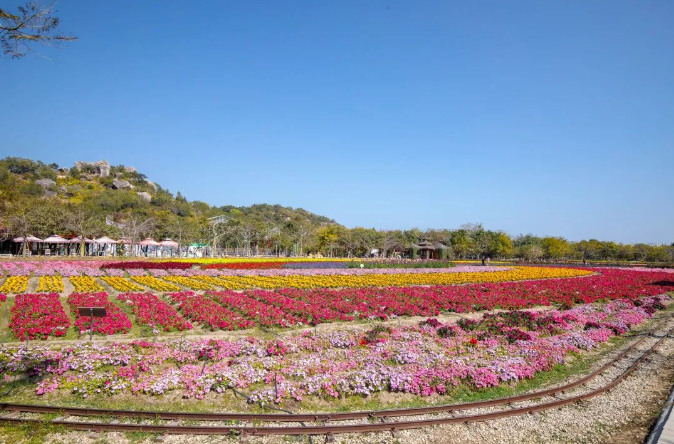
{"type": "Point", "coordinates": [336, 429]}
{"type": "Point", "coordinates": [323, 416]}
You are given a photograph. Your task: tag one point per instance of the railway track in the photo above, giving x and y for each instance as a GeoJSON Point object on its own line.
{"type": "Point", "coordinates": [328, 424]}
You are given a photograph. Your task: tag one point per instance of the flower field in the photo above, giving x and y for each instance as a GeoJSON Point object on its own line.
{"type": "Point", "coordinates": [230, 299]}
{"type": "Point", "coordinates": [579, 309]}
{"type": "Point", "coordinates": [425, 359]}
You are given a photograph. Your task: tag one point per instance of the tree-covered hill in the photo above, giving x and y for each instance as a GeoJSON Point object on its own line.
{"type": "Point", "coordinates": [41, 199]}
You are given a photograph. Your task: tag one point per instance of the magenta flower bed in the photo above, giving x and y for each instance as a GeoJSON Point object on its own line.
{"type": "Point", "coordinates": [206, 312]}
{"type": "Point", "coordinates": [147, 265]}
{"type": "Point", "coordinates": [152, 311]}
{"type": "Point", "coordinates": [311, 313]}
{"type": "Point", "coordinates": [38, 316]}
{"type": "Point", "coordinates": [427, 359]}
{"type": "Point", "coordinates": [264, 314]}
{"type": "Point", "coordinates": [115, 320]}
{"type": "Point", "coordinates": [383, 303]}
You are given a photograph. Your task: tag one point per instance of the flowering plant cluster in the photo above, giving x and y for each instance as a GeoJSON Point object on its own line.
{"type": "Point", "coordinates": [14, 284]}
{"type": "Point", "coordinates": [152, 311]}
{"type": "Point", "coordinates": [155, 283]}
{"type": "Point", "coordinates": [148, 265]}
{"type": "Point", "coordinates": [121, 284]}
{"type": "Point", "coordinates": [38, 316]}
{"type": "Point", "coordinates": [46, 268]}
{"type": "Point", "coordinates": [204, 311]}
{"type": "Point", "coordinates": [50, 284]}
{"type": "Point", "coordinates": [86, 284]}
{"type": "Point", "coordinates": [264, 314]}
{"type": "Point", "coordinates": [115, 320]}
{"type": "Point", "coordinates": [193, 284]}
{"type": "Point", "coordinates": [422, 360]}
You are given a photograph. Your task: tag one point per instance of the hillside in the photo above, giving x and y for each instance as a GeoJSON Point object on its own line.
{"type": "Point", "coordinates": [115, 194]}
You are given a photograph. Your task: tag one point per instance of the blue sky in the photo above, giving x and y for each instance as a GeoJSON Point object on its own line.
{"type": "Point", "coordinates": [555, 118]}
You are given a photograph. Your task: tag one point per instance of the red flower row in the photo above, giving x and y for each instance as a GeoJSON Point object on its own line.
{"type": "Point", "coordinates": [114, 321]}
{"type": "Point", "coordinates": [128, 265]}
{"type": "Point", "coordinates": [245, 266]}
{"type": "Point", "coordinates": [310, 313]}
{"type": "Point", "coordinates": [150, 310]}
{"type": "Point", "coordinates": [288, 306]}
{"type": "Point", "coordinates": [429, 301]}
{"type": "Point", "coordinates": [205, 311]}
{"type": "Point", "coordinates": [38, 316]}
{"type": "Point", "coordinates": [264, 314]}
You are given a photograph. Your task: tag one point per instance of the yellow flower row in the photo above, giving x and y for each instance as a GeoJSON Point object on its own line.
{"type": "Point", "coordinates": [86, 284]}
{"type": "Point", "coordinates": [188, 282]}
{"type": "Point", "coordinates": [214, 281]}
{"type": "Point", "coordinates": [156, 284]}
{"type": "Point", "coordinates": [14, 284]}
{"type": "Point", "coordinates": [121, 284]}
{"type": "Point", "coordinates": [229, 260]}
{"type": "Point", "coordinates": [393, 280]}
{"type": "Point", "coordinates": [50, 284]}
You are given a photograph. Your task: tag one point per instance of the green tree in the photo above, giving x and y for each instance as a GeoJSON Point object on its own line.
{"type": "Point", "coordinates": [555, 247]}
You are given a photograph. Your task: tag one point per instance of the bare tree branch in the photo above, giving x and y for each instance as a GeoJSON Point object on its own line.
{"type": "Point", "coordinates": [35, 23]}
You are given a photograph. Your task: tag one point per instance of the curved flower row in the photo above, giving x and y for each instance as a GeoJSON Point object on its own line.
{"type": "Point", "coordinates": [155, 283]}
{"type": "Point", "coordinates": [86, 284]}
{"type": "Point", "coordinates": [206, 312]}
{"type": "Point", "coordinates": [115, 320]}
{"type": "Point", "coordinates": [429, 301]}
{"type": "Point", "coordinates": [428, 359]}
{"type": "Point", "coordinates": [38, 316]}
{"type": "Point", "coordinates": [50, 284]}
{"type": "Point", "coordinates": [396, 280]}
{"type": "Point", "coordinates": [148, 265]}
{"type": "Point", "coordinates": [288, 272]}
{"type": "Point", "coordinates": [121, 284]}
{"type": "Point", "coordinates": [14, 284]}
{"type": "Point", "coordinates": [264, 314]}
{"type": "Point", "coordinates": [152, 311]}
{"type": "Point", "coordinates": [260, 265]}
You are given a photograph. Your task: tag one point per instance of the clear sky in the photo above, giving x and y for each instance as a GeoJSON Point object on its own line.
{"type": "Point", "coordinates": [549, 117]}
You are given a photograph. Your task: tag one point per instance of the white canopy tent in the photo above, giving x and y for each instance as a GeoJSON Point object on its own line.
{"type": "Point", "coordinates": [106, 246]}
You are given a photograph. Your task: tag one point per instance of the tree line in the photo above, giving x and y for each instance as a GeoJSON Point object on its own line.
{"type": "Point", "coordinates": [79, 203]}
